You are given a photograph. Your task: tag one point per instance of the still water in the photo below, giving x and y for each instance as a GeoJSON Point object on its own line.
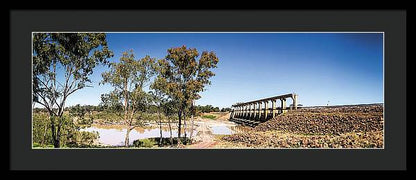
{"type": "Point", "coordinates": [115, 136]}
{"type": "Point", "coordinates": [222, 129]}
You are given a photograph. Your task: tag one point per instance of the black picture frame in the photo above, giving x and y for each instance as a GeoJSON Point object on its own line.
{"type": "Point", "coordinates": [391, 22]}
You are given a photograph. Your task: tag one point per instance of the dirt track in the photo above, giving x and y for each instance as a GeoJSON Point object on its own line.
{"type": "Point", "coordinates": [204, 137]}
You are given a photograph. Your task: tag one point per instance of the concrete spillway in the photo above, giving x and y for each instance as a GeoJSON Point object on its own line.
{"type": "Point", "coordinates": [254, 112]}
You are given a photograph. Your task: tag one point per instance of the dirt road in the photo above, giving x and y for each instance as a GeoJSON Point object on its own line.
{"type": "Point", "coordinates": [204, 137]}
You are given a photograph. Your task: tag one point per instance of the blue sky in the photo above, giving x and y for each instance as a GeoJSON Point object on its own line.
{"type": "Point", "coordinates": [342, 68]}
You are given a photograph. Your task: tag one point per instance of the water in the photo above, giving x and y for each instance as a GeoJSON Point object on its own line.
{"type": "Point", "coordinates": [115, 136]}
{"type": "Point", "coordinates": [221, 130]}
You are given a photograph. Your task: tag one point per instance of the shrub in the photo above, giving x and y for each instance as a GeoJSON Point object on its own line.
{"type": "Point", "coordinates": [144, 143]}
{"type": "Point", "coordinates": [209, 116]}
{"type": "Point", "coordinates": [150, 142]}
{"type": "Point", "coordinates": [71, 135]}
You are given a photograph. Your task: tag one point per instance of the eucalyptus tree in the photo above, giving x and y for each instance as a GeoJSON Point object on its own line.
{"type": "Point", "coordinates": [111, 104]}
{"type": "Point", "coordinates": [129, 77]}
{"type": "Point", "coordinates": [184, 76]}
{"type": "Point", "coordinates": [78, 111]}
{"type": "Point", "coordinates": [159, 99]}
{"type": "Point", "coordinates": [169, 109]}
{"type": "Point", "coordinates": [62, 64]}
{"type": "Point", "coordinates": [165, 105]}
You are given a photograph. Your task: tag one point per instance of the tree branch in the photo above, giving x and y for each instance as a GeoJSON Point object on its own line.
{"type": "Point", "coordinates": [53, 98]}
{"type": "Point", "coordinates": [45, 104]}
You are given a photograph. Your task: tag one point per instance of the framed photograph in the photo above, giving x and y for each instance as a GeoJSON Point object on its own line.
{"type": "Point", "coordinates": [235, 90]}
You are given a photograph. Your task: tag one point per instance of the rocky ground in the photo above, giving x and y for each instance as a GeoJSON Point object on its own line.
{"type": "Point", "coordinates": [359, 126]}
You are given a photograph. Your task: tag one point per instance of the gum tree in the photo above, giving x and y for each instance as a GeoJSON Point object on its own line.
{"type": "Point", "coordinates": [62, 64]}
{"type": "Point", "coordinates": [182, 77]}
{"type": "Point", "coordinates": [129, 77]}
{"type": "Point", "coordinates": [159, 99]}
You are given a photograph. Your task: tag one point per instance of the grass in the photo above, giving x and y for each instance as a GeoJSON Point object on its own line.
{"type": "Point", "coordinates": [209, 116]}
{"type": "Point", "coordinates": [144, 143]}
{"type": "Point", "coordinates": [37, 145]}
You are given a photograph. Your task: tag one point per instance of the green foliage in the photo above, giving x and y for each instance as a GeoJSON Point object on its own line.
{"type": "Point", "coordinates": [76, 53]}
{"type": "Point", "coordinates": [72, 56]}
{"type": "Point", "coordinates": [71, 136]}
{"type": "Point", "coordinates": [88, 108]}
{"type": "Point", "coordinates": [225, 109]}
{"type": "Point", "coordinates": [182, 77]}
{"type": "Point", "coordinates": [207, 108]}
{"type": "Point", "coordinates": [83, 139]}
{"type": "Point", "coordinates": [209, 117]}
{"type": "Point", "coordinates": [41, 132]}
{"type": "Point", "coordinates": [111, 103]}
{"type": "Point", "coordinates": [144, 143]}
{"type": "Point", "coordinates": [37, 145]}
{"type": "Point", "coordinates": [108, 117]}
{"type": "Point", "coordinates": [85, 122]}
{"type": "Point", "coordinates": [128, 77]}
{"type": "Point", "coordinates": [78, 111]}
{"type": "Point", "coordinates": [216, 109]}
{"type": "Point", "coordinates": [38, 110]}
{"type": "Point", "coordinates": [151, 142]}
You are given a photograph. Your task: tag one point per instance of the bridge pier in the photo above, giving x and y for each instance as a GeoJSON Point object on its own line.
{"type": "Point", "coordinates": [241, 111]}
{"type": "Point", "coordinates": [273, 108]}
{"type": "Point", "coordinates": [247, 111]}
{"type": "Point", "coordinates": [259, 111]}
{"type": "Point", "coordinates": [244, 111]}
{"type": "Point", "coordinates": [265, 109]}
{"type": "Point", "coordinates": [251, 111]}
{"type": "Point", "coordinates": [283, 105]}
{"type": "Point", "coordinates": [246, 114]}
{"type": "Point", "coordinates": [295, 101]}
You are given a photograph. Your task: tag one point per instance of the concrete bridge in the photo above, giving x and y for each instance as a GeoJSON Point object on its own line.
{"type": "Point", "coordinates": [254, 112]}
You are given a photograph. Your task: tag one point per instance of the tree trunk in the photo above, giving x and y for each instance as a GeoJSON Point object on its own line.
{"type": "Point", "coordinates": [179, 127]}
{"type": "Point", "coordinates": [44, 134]}
{"type": "Point", "coordinates": [58, 132]}
{"type": "Point", "coordinates": [170, 131]}
{"type": "Point", "coordinates": [126, 141]}
{"type": "Point", "coordinates": [56, 142]}
{"type": "Point", "coordinates": [192, 127]}
{"type": "Point", "coordinates": [160, 128]}
{"type": "Point", "coordinates": [56, 139]}
{"type": "Point", "coordinates": [179, 123]}
{"type": "Point", "coordinates": [184, 126]}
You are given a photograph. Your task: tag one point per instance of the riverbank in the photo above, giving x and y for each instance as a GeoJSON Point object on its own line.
{"type": "Point", "coordinates": [202, 130]}
{"type": "Point", "coordinates": [354, 126]}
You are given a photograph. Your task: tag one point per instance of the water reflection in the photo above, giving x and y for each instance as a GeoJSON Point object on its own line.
{"type": "Point", "coordinates": [240, 129]}
{"type": "Point", "coordinates": [115, 135]}
{"type": "Point", "coordinates": [222, 130]}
